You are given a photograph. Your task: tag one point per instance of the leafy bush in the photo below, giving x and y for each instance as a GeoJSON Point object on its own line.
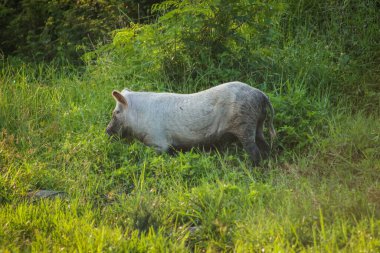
{"type": "Point", "coordinates": [46, 30]}
{"type": "Point", "coordinates": [140, 11]}
{"type": "Point", "coordinates": [300, 119]}
{"type": "Point", "coordinates": [198, 41]}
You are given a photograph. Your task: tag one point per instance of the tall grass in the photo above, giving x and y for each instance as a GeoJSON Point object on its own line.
{"type": "Point", "coordinates": [127, 198]}
{"type": "Point", "coordinates": [319, 192]}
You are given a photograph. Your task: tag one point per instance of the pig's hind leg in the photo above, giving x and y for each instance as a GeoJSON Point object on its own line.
{"type": "Point", "coordinates": [260, 140]}
{"type": "Point", "coordinates": [250, 146]}
{"type": "Point", "coordinates": [248, 138]}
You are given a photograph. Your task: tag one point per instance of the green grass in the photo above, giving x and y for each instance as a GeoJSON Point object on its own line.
{"type": "Point", "coordinates": [319, 192]}
{"type": "Point", "coordinates": [125, 197]}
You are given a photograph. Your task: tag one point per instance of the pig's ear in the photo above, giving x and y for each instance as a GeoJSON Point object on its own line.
{"type": "Point", "coordinates": [119, 97]}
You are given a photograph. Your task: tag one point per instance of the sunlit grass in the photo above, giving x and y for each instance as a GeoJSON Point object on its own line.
{"type": "Point", "coordinates": [125, 197]}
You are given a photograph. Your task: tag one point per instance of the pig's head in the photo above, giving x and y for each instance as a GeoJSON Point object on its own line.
{"type": "Point", "coordinates": [118, 124]}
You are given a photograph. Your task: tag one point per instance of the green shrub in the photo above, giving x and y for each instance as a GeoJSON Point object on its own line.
{"type": "Point", "coordinates": [61, 30]}
{"type": "Point", "coordinates": [299, 119]}
{"type": "Point", "coordinates": [201, 42]}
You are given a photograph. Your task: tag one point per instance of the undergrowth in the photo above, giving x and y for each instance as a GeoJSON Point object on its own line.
{"type": "Point", "coordinates": [125, 197]}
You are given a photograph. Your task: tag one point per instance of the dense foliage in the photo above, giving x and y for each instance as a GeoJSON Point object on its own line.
{"type": "Point", "coordinates": [62, 30]}
{"type": "Point", "coordinates": [317, 60]}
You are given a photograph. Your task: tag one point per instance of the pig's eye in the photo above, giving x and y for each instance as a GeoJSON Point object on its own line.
{"type": "Point", "coordinates": [117, 112]}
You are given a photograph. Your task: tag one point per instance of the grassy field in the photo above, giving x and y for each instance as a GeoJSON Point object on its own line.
{"type": "Point", "coordinates": [124, 197]}
{"type": "Point", "coordinates": [318, 192]}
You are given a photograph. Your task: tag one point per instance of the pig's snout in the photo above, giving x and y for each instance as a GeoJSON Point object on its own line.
{"type": "Point", "coordinates": [109, 131]}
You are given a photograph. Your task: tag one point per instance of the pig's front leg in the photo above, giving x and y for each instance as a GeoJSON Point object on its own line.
{"type": "Point", "coordinates": [159, 144]}
{"type": "Point", "coordinates": [161, 149]}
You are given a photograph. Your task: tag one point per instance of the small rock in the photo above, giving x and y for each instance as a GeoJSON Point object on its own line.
{"type": "Point", "coordinates": [43, 194]}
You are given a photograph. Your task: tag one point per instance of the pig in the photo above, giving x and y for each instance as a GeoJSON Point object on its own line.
{"type": "Point", "coordinates": [168, 121]}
